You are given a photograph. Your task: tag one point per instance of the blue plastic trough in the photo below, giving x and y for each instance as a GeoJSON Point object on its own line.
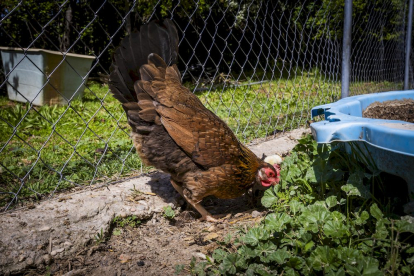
{"type": "Point", "coordinates": [390, 142]}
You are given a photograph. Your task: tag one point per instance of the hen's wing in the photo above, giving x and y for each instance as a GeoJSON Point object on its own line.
{"type": "Point", "coordinates": [199, 132]}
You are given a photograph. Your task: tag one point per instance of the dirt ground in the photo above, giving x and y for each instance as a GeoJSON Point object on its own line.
{"type": "Point", "coordinates": [402, 110]}
{"type": "Point", "coordinates": [158, 245]}
{"type": "Point", "coordinates": [59, 236]}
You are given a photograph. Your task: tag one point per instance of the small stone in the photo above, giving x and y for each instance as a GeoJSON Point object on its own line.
{"type": "Point", "coordinates": [238, 215]}
{"type": "Point", "coordinates": [199, 255]}
{"type": "Point", "coordinates": [29, 261]}
{"type": "Point", "coordinates": [56, 251]}
{"type": "Point", "coordinates": [47, 259]}
{"type": "Point", "coordinates": [124, 258]}
{"type": "Point", "coordinates": [211, 228]}
{"type": "Point", "coordinates": [210, 236]}
{"type": "Point", "coordinates": [256, 214]}
{"type": "Point", "coordinates": [22, 258]}
{"type": "Point", "coordinates": [128, 241]}
{"type": "Point", "coordinates": [44, 228]}
{"type": "Point", "coordinates": [123, 215]}
{"type": "Point", "coordinates": [140, 263]}
{"type": "Point", "coordinates": [133, 209]}
{"type": "Point", "coordinates": [67, 244]}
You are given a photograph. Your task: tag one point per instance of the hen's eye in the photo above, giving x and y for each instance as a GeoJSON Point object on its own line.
{"type": "Point", "coordinates": [271, 174]}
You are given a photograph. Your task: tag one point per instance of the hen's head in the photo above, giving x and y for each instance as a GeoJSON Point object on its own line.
{"type": "Point", "coordinates": [269, 173]}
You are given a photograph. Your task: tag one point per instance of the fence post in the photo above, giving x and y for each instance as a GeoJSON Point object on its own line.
{"type": "Point", "coordinates": [346, 49]}
{"type": "Point", "coordinates": [408, 46]}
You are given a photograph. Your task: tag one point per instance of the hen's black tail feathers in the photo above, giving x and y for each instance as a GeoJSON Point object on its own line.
{"type": "Point", "coordinates": [161, 39]}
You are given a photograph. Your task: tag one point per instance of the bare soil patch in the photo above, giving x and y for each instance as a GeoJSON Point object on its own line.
{"type": "Point", "coordinates": [402, 110]}
{"type": "Point", "coordinates": [158, 245]}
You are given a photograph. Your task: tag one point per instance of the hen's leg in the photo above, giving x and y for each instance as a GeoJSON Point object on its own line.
{"type": "Point", "coordinates": [205, 215]}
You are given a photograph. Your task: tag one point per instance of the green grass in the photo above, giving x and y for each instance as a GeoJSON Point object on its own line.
{"type": "Point", "coordinates": [260, 110]}
{"type": "Point", "coordinates": [57, 147]}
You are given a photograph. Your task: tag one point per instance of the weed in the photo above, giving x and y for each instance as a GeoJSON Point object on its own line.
{"type": "Point", "coordinates": [100, 237]}
{"type": "Point", "coordinates": [131, 221]}
{"type": "Point", "coordinates": [169, 212]}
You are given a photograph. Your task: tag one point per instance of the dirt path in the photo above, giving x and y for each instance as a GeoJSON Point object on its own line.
{"type": "Point", "coordinates": [59, 236]}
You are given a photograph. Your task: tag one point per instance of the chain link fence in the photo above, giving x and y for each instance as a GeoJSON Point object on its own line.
{"type": "Point", "coordinates": [259, 65]}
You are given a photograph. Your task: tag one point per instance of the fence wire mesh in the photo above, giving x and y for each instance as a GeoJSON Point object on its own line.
{"type": "Point", "coordinates": [259, 65]}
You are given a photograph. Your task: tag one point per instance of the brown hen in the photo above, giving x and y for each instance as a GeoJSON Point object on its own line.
{"type": "Point", "coordinates": [172, 130]}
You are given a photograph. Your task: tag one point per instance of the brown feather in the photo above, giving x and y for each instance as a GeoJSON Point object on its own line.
{"type": "Point", "coordinates": [171, 128]}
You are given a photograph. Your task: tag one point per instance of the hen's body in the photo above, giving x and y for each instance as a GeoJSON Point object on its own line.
{"type": "Point", "coordinates": [171, 128]}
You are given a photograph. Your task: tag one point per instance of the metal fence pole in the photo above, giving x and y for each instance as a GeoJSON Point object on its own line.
{"type": "Point", "coordinates": [346, 49]}
{"type": "Point", "coordinates": [408, 46]}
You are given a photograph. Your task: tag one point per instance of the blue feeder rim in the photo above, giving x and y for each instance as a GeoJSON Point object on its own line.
{"type": "Point", "coordinates": [344, 122]}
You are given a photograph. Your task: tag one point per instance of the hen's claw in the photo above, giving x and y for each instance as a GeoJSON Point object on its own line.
{"type": "Point", "coordinates": [205, 215]}
{"type": "Point", "coordinates": [213, 218]}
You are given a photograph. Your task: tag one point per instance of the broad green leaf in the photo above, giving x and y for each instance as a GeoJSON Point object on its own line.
{"type": "Point", "coordinates": [308, 246]}
{"type": "Point", "coordinates": [350, 190]}
{"type": "Point", "coordinates": [349, 255]}
{"type": "Point", "coordinates": [293, 174]}
{"type": "Point", "coordinates": [316, 213]}
{"type": "Point", "coordinates": [277, 222]}
{"type": "Point", "coordinates": [370, 267]}
{"type": "Point", "coordinates": [406, 269]}
{"type": "Point", "coordinates": [335, 229]}
{"type": "Point", "coordinates": [310, 175]}
{"type": "Point", "coordinates": [264, 250]}
{"type": "Point", "coordinates": [247, 252]}
{"type": "Point", "coordinates": [381, 229]}
{"type": "Point", "coordinates": [362, 219]}
{"type": "Point", "coordinates": [338, 216]}
{"type": "Point", "coordinates": [410, 260]}
{"type": "Point", "coordinates": [257, 269]}
{"type": "Point", "coordinates": [231, 262]}
{"type": "Point", "coordinates": [296, 262]}
{"type": "Point", "coordinates": [404, 225]}
{"type": "Point", "coordinates": [219, 255]}
{"type": "Point", "coordinates": [269, 198]}
{"type": "Point", "coordinates": [331, 201]}
{"type": "Point", "coordinates": [375, 211]}
{"type": "Point", "coordinates": [364, 215]}
{"type": "Point", "coordinates": [356, 180]}
{"type": "Point", "coordinates": [339, 272]}
{"type": "Point", "coordinates": [254, 235]}
{"type": "Point", "coordinates": [290, 272]}
{"type": "Point", "coordinates": [280, 256]}
{"type": "Point", "coordinates": [323, 256]}
{"type": "Point", "coordinates": [295, 206]}
{"type": "Point", "coordinates": [410, 250]}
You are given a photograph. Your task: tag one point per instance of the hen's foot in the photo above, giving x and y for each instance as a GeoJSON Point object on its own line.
{"type": "Point", "coordinates": [213, 218]}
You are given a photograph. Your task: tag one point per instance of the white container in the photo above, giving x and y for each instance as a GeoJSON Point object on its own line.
{"type": "Point", "coordinates": [44, 77]}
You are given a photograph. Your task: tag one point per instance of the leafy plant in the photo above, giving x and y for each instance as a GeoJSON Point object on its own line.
{"type": "Point", "coordinates": [131, 221]}
{"type": "Point", "coordinates": [169, 212]}
{"type": "Point", "coordinates": [100, 237]}
{"type": "Point", "coordinates": [325, 220]}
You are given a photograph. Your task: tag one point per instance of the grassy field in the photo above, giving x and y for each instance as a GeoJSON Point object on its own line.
{"type": "Point", "coordinates": [49, 148]}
